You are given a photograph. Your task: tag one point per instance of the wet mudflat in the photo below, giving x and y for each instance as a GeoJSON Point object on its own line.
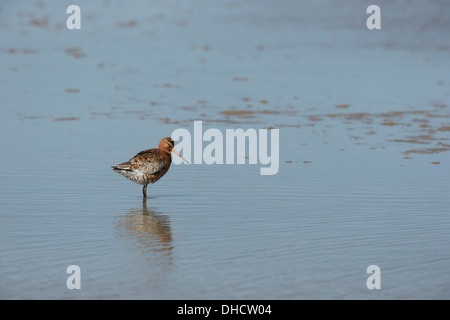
{"type": "Point", "coordinates": [363, 179]}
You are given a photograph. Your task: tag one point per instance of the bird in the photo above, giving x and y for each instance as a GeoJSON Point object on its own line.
{"type": "Point", "coordinates": [150, 165]}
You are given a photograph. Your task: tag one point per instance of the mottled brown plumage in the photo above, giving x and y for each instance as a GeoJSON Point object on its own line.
{"type": "Point", "coordinates": [148, 166]}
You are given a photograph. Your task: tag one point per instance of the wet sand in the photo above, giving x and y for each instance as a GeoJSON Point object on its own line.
{"type": "Point", "coordinates": [364, 120]}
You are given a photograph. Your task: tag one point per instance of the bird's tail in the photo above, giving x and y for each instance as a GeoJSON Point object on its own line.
{"type": "Point", "coordinates": [122, 166]}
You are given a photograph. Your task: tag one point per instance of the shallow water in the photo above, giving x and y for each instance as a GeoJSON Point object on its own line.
{"type": "Point", "coordinates": [364, 151]}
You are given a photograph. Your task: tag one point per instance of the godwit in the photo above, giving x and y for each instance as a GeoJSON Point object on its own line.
{"type": "Point", "coordinates": [148, 166]}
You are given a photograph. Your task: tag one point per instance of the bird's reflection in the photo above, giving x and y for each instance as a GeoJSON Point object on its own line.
{"type": "Point", "coordinates": [149, 230]}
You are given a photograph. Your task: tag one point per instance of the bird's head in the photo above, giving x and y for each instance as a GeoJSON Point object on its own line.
{"type": "Point", "coordinates": [167, 145]}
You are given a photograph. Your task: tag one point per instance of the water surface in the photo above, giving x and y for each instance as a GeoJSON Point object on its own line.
{"type": "Point", "coordinates": [364, 150]}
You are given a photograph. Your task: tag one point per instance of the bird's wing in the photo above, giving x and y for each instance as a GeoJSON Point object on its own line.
{"type": "Point", "coordinates": [149, 167]}
{"type": "Point", "coordinates": [147, 162]}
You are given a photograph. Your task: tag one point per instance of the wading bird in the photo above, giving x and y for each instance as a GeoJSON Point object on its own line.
{"type": "Point", "coordinates": [150, 165]}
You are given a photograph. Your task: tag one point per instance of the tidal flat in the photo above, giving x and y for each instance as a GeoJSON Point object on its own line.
{"type": "Point", "coordinates": [364, 150]}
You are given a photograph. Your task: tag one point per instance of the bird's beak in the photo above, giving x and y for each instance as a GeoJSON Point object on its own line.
{"type": "Point", "coordinates": [176, 152]}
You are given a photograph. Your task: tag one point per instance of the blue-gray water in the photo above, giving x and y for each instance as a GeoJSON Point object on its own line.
{"type": "Point", "coordinates": [364, 172]}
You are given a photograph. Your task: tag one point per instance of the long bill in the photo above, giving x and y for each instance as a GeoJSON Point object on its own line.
{"type": "Point", "coordinates": [176, 152]}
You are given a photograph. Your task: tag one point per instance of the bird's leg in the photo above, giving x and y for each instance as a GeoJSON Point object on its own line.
{"type": "Point", "coordinates": [144, 191]}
